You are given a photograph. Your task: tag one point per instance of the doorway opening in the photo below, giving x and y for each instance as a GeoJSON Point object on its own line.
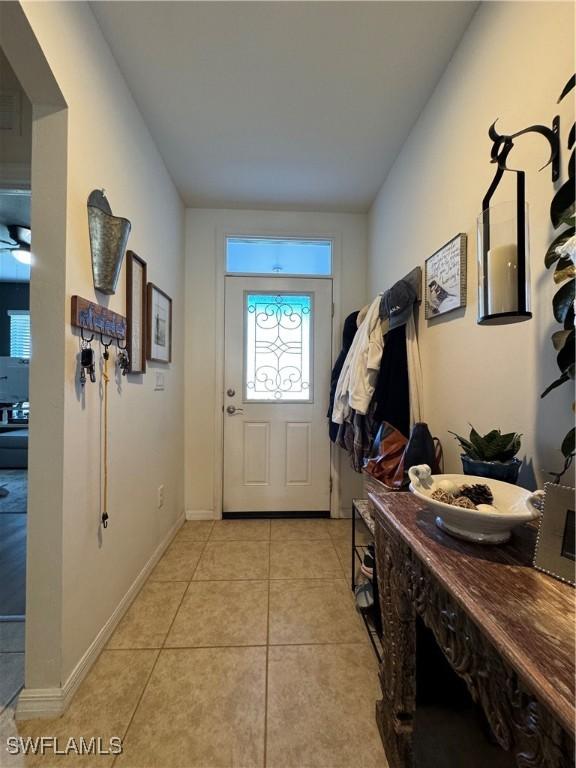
{"type": "Point", "coordinates": [277, 364]}
{"type": "Point", "coordinates": [15, 261]}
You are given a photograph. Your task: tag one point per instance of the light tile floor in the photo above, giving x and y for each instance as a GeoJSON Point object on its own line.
{"type": "Point", "coordinates": [243, 649]}
{"type": "Point", "coordinates": [11, 660]}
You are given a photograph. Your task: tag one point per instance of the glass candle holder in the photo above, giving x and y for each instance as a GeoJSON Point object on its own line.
{"type": "Point", "coordinates": [503, 264]}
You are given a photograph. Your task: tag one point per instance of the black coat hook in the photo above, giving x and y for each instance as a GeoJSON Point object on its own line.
{"type": "Point", "coordinates": [106, 346]}
{"type": "Point", "coordinates": [88, 341]}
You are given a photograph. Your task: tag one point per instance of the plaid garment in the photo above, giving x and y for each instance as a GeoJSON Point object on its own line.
{"type": "Point", "coordinates": [356, 435]}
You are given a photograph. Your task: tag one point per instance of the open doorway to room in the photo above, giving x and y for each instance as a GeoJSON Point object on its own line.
{"type": "Point", "coordinates": [15, 260]}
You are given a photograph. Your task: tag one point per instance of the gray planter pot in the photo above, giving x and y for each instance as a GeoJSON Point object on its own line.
{"type": "Point", "coordinates": [496, 470]}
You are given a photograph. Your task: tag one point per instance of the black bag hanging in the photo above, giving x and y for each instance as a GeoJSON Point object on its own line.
{"type": "Point", "coordinates": [422, 449]}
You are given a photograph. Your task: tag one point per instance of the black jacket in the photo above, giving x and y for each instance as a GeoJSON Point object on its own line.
{"type": "Point", "coordinates": [348, 334]}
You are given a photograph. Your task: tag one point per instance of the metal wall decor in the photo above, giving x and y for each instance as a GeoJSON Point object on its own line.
{"type": "Point", "coordinates": [503, 249]}
{"type": "Point", "coordinates": [108, 238]}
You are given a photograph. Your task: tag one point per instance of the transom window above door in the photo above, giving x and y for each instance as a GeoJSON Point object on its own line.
{"type": "Point", "coordinates": [278, 256]}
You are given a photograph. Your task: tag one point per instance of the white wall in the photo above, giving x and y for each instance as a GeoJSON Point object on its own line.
{"type": "Point", "coordinates": [108, 146]}
{"type": "Point", "coordinates": [512, 64]}
{"type": "Point", "coordinates": [204, 267]}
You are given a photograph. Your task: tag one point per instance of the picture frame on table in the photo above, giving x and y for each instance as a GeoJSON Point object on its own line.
{"type": "Point", "coordinates": [445, 278]}
{"type": "Point", "coordinates": [159, 325]}
{"type": "Point", "coordinates": [136, 311]}
{"type": "Point", "coordinates": [555, 552]}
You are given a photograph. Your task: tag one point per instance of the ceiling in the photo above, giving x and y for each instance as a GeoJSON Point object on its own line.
{"type": "Point", "coordinates": [14, 210]}
{"type": "Point", "coordinates": [281, 104]}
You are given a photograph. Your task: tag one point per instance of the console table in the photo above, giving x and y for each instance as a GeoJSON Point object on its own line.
{"type": "Point", "coordinates": [505, 628]}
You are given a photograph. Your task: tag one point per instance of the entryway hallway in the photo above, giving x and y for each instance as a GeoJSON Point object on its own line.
{"type": "Point", "coordinates": [243, 649]}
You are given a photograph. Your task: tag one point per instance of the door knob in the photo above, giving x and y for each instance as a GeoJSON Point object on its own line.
{"type": "Point", "coordinates": [230, 392]}
{"type": "Point", "coordinates": [231, 410]}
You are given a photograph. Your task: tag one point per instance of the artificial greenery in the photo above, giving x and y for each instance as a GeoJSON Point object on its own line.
{"type": "Point", "coordinates": [493, 446]}
{"type": "Point", "coordinates": [562, 254]}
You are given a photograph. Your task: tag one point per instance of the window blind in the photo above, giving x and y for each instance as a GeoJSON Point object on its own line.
{"type": "Point", "coordinates": [19, 333]}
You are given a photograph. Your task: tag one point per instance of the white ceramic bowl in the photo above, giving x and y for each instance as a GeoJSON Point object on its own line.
{"type": "Point", "coordinates": [515, 506]}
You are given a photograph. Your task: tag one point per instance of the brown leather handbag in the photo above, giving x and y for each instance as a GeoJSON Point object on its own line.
{"type": "Point", "coordinates": [393, 454]}
{"type": "Point", "coordinates": [387, 462]}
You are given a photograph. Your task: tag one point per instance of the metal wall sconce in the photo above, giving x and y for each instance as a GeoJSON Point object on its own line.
{"type": "Point", "coordinates": [108, 240]}
{"type": "Point", "coordinates": [503, 244]}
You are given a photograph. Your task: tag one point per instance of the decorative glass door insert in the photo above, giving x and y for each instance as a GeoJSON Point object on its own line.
{"type": "Point", "coordinates": [278, 347]}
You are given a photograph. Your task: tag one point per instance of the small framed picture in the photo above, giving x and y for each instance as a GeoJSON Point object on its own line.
{"type": "Point", "coordinates": [159, 336]}
{"type": "Point", "coordinates": [136, 312]}
{"type": "Point", "coordinates": [445, 278]}
{"type": "Point", "coordinates": [555, 547]}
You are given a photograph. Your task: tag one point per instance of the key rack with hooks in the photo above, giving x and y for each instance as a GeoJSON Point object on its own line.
{"type": "Point", "coordinates": [97, 319]}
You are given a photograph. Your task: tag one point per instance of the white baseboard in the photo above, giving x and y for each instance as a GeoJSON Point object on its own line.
{"type": "Point", "coordinates": [52, 702]}
{"type": "Point", "coordinates": [200, 514]}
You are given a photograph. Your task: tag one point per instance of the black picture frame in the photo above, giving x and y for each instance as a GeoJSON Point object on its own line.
{"type": "Point", "coordinates": [136, 299]}
{"type": "Point", "coordinates": [445, 278]}
{"type": "Point", "coordinates": [155, 351]}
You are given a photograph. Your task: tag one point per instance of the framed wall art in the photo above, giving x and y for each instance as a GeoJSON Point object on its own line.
{"type": "Point", "coordinates": [555, 547]}
{"type": "Point", "coordinates": [159, 323]}
{"type": "Point", "coordinates": [136, 312]}
{"type": "Point", "coordinates": [445, 278]}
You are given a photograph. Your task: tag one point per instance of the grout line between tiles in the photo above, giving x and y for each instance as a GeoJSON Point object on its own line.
{"type": "Point", "coordinates": [212, 578]}
{"type": "Point", "coordinates": [267, 653]}
{"type": "Point", "coordinates": [187, 588]}
{"type": "Point", "coordinates": [208, 647]}
{"type": "Point", "coordinates": [315, 645]}
{"type": "Point", "coordinates": [132, 650]}
{"type": "Point", "coordinates": [144, 687]}
{"type": "Point", "coordinates": [245, 645]}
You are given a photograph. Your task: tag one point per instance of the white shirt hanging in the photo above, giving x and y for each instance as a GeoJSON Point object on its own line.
{"type": "Point", "coordinates": [359, 373]}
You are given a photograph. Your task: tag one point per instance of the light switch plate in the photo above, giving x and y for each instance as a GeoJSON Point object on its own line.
{"type": "Point", "coordinates": [159, 386]}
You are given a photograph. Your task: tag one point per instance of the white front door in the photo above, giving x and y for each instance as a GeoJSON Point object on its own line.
{"type": "Point", "coordinates": [278, 339]}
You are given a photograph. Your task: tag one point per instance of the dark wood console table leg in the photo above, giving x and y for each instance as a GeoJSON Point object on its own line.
{"type": "Point", "coordinates": [395, 711]}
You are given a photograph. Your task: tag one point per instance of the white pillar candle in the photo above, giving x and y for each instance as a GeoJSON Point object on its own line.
{"type": "Point", "coordinates": [502, 279]}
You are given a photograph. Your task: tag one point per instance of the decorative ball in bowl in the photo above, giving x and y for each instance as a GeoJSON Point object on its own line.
{"type": "Point", "coordinates": [476, 509]}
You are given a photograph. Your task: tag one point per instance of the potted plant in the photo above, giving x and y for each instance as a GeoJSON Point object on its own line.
{"type": "Point", "coordinates": [492, 455]}
{"type": "Point", "coordinates": [561, 255]}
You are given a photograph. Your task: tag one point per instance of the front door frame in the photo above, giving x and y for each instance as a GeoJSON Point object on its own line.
{"type": "Point", "coordinates": [222, 233]}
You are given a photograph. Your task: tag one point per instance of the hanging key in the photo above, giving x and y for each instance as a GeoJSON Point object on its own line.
{"type": "Point", "coordinates": [123, 361]}
{"type": "Point", "coordinates": [87, 364]}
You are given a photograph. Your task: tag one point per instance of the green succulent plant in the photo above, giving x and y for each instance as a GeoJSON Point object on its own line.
{"type": "Point", "coordinates": [493, 446]}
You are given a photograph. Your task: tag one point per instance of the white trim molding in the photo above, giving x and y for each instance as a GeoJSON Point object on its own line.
{"type": "Point", "coordinates": [200, 514]}
{"type": "Point", "coordinates": [53, 702]}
